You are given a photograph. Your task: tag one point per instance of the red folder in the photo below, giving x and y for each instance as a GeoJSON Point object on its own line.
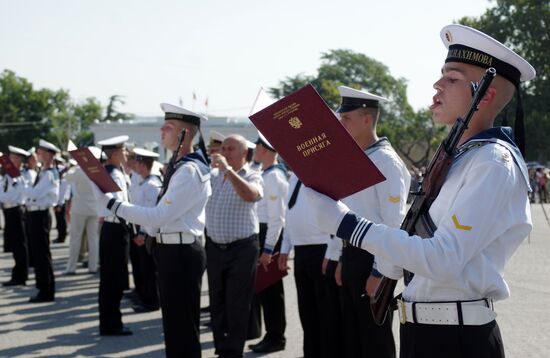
{"type": "Point", "coordinates": [265, 279]}
{"type": "Point", "coordinates": [94, 170]}
{"type": "Point", "coordinates": [309, 137]}
{"type": "Point", "coordinates": [9, 167]}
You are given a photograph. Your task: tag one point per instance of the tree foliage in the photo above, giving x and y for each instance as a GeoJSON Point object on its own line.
{"type": "Point", "coordinates": [524, 26]}
{"type": "Point", "coordinates": [412, 134]}
{"type": "Point", "coordinates": [27, 114]}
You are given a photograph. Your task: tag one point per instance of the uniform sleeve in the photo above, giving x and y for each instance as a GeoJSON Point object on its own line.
{"type": "Point", "coordinates": [334, 249]}
{"type": "Point", "coordinates": [472, 222]}
{"type": "Point", "coordinates": [392, 194]}
{"type": "Point", "coordinates": [392, 198]}
{"type": "Point", "coordinates": [275, 191]}
{"type": "Point", "coordinates": [286, 245]}
{"type": "Point", "coordinates": [180, 196]}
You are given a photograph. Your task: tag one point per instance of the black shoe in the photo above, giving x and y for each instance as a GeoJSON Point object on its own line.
{"type": "Point", "coordinates": [144, 308]}
{"type": "Point", "coordinates": [124, 331]}
{"type": "Point", "coordinates": [59, 241]}
{"type": "Point", "coordinates": [13, 283]}
{"type": "Point", "coordinates": [266, 346]}
{"type": "Point", "coordinates": [41, 298]}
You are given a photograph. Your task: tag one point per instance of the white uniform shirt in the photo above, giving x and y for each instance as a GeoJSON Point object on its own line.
{"type": "Point", "coordinates": [181, 209]}
{"type": "Point", "coordinates": [46, 191]}
{"type": "Point", "coordinates": [120, 180]}
{"type": "Point", "coordinates": [145, 193]}
{"type": "Point", "coordinates": [83, 201]}
{"type": "Point", "coordinates": [12, 191]}
{"type": "Point", "coordinates": [482, 215]}
{"type": "Point", "coordinates": [385, 202]}
{"type": "Point", "coordinates": [296, 232]}
{"type": "Point", "coordinates": [272, 207]}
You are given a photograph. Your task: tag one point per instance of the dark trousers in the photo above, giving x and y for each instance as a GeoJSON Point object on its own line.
{"type": "Point", "coordinates": [427, 341]}
{"type": "Point", "coordinates": [362, 336]}
{"type": "Point", "coordinates": [149, 292]}
{"type": "Point", "coordinates": [27, 222]}
{"type": "Point", "coordinates": [312, 299]}
{"type": "Point", "coordinates": [231, 280]}
{"type": "Point", "coordinates": [40, 224]}
{"type": "Point", "coordinates": [180, 270]}
{"type": "Point", "coordinates": [61, 222]}
{"type": "Point", "coordinates": [15, 232]}
{"type": "Point", "coordinates": [113, 275]}
{"type": "Point", "coordinates": [334, 312]}
{"type": "Point", "coordinates": [137, 271]}
{"type": "Point", "coordinates": [7, 239]}
{"type": "Point", "coordinates": [271, 301]}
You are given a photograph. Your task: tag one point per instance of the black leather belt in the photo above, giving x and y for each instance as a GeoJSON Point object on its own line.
{"type": "Point", "coordinates": [233, 244]}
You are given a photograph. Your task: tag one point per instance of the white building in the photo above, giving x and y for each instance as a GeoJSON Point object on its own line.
{"type": "Point", "coordinates": [145, 131]}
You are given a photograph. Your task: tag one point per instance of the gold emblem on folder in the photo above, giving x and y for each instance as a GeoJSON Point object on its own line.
{"type": "Point", "coordinates": [295, 122]}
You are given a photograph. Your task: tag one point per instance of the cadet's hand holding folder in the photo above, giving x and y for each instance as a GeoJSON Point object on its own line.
{"type": "Point", "coordinates": [312, 141]}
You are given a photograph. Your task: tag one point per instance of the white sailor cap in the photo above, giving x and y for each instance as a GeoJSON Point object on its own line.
{"type": "Point", "coordinates": [182, 114]}
{"type": "Point", "coordinates": [96, 152]}
{"type": "Point", "coordinates": [141, 154]}
{"type": "Point", "coordinates": [18, 151]}
{"type": "Point", "coordinates": [250, 145]}
{"type": "Point", "coordinates": [58, 158]}
{"type": "Point", "coordinates": [263, 141]}
{"type": "Point", "coordinates": [48, 146]}
{"type": "Point", "coordinates": [353, 99]}
{"type": "Point", "coordinates": [113, 142]}
{"type": "Point", "coordinates": [473, 47]}
{"type": "Point", "coordinates": [216, 138]}
{"type": "Point", "coordinates": [31, 151]}
{"type": "Point", "coordinates": [73, 162]}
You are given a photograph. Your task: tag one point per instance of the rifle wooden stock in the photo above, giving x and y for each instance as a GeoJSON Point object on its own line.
{"type": "Point", "coordinates": [418, 221]}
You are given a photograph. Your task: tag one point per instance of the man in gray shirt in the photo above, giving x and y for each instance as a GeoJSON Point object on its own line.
{"type": "Point", "coordinates": [232, 251]}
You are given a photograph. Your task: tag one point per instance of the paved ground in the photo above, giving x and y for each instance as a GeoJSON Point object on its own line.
{"type": "Point", "coordinates": [69, 327]}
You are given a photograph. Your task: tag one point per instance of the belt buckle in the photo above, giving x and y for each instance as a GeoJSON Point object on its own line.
{"type": "Point", "coordinates": [402, 309]}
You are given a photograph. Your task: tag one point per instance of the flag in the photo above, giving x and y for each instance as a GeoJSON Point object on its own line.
{"type": "Point", "coordinates": [194, 96]}
{"type": "Point", "coordinates": [206, 102]}
{"type": "Point", "coordinates": [181, 101]}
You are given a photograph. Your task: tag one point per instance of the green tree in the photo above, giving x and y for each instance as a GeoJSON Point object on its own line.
{"type": "Point", "coordinates": [111, 112]}
{"type": "Point", "coordinates": [524, 26]}
{"type": "Point", "coordinates": [413, 134]}
{"type": "Point", "coordinates": [24, 111]}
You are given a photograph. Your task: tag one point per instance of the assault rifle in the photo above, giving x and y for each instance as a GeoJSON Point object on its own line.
{"type": "Point", "coordinates": [418, 221]}
{"type": "Point", "coordinates": [171, 165]}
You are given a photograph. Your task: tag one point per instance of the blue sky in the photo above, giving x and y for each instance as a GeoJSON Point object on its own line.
{"type": "Point", "coordinates": [159, 51]}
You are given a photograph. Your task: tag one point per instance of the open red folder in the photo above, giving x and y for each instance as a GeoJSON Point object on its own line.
{"type": "Point", "coordinates": [265, 279]}
{"type": "Point", "coordinates": [309, 137]}
{"type": "Point", "coordinates": [94, 170]}
{"type": "Point", "coordinates": [9, 167]}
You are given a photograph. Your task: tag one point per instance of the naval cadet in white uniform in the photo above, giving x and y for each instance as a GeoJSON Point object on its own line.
{"type": "Point", "coordinates": [481, 214]}
{"type": "Point", "coordinates": [145, 193]}
{"type": "Point", "coordinates": [271, 214]}
{"type": "Point", "coordinates": [384, 203]}
{"type": "Point", "coordinates": [113, 244]}
{"type": "Point", "coordinates": [12, 198]}
{"type": "Point", "coordinates": [179, 217]}
{"type": "Point", "coordinates": [41, 196]}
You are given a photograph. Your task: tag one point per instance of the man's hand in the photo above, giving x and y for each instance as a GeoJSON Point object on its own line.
{"type": "Point", "coordinates": [283, 262]}
{"type": "Point", "coordinates": [338, 274]}
{"type": "Point", "coordinates": [265, 260]}
{"type": "Point", "coordinates": [327, 213]}
{"type": "Point", "coordinates": [219, 161]}
{"type": "Point", "coordinates": [372, 285]}
{"type": "Point", "coordinates": [139, 240]}
{"type": "Point", "coordinates": [324, 266]}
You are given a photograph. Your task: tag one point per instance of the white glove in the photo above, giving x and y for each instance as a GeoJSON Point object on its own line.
{"type": "Point", "coordinates": [101, 197]}
{"type": "Point", "coordinates": [327, 213]}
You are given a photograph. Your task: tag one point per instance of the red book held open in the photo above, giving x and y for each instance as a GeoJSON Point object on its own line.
{"type": "Point", "coordinates": [309, 137]}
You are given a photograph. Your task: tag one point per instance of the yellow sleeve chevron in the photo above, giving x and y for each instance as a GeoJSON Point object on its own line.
{"type": "Point", "coordinates": [459, 226]}
{"type": "Point", "coordinates": [394, 199]}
